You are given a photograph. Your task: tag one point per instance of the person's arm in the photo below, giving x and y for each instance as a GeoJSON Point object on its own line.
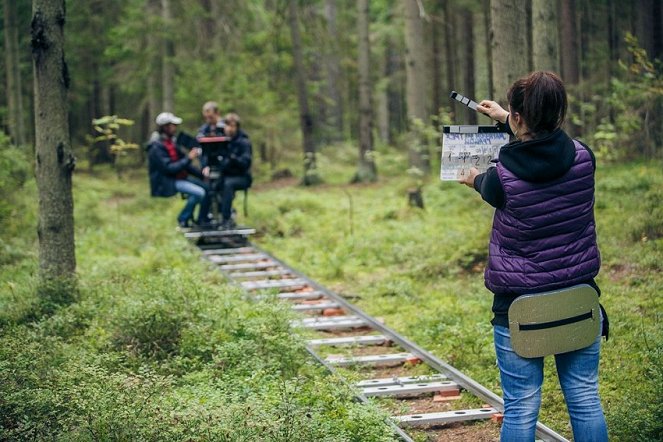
{"type": "Point", "coordinates": [497, 113]}
{"type": "Point", "coordinates": [242, 158]}
{"type": "Point", "coordinates": [490, 188]}
{"type": "Point", "coordinates": [488, 185]}
{"type": "Point", "coordinates": [193, 170]}
{"type": "Point", "coordinates": [505, 126]}
{"type": "Point", "coordinates": [164, 163]}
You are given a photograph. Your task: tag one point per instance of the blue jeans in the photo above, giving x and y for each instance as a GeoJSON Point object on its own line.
{"type": "Point", "coordinates": [196, 194]}
{"type": "Point", "coordinates": [521, 380]}
{"type": "Point", "coordinates": [229, 186]}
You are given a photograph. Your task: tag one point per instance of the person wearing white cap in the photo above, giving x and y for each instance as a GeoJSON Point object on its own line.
{"type": "Point", "coordinates": [171, 171]}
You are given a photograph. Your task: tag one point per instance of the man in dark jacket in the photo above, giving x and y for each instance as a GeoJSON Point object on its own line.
{"type": "Point", "coordinates": [235, 167]}
{"type": "Point", "coordinates": [214, 124]}
{"type": "Point", "coordinates": [170, 171]}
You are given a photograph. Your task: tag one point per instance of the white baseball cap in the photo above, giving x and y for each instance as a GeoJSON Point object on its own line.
{"type": "Point", "coordinates": [166, 118]}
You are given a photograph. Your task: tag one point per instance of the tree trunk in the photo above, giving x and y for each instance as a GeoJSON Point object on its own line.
{"type": "Point", "coordinates": [545, 45]}
{"type": "Point", "coordinates": [644, 25]}
{"type": "Point", "coordinates": [207, 40]}
{"type": "Point", "coordinates": [54, 157]}
{"type": "Point", "coordinates": [528, 20]}
{"type": "Point", "coordinates": [395, 89]}
{"type": "Point", "coordinates": [436, 68]}
{"type": "Point", "coordinates": [415, 87]}
{"type": "Point", "coordinates": [489, 49]}
{"type": "Point", "coordinates": [13, 73]}
{"type": "Point", "coordinates": [569, 42]}
{"type": "Point", "coordinates": [613, 38]}
{"type": "Point", "coordinates": [509, 47]}
{"type": "Point", "coordinates": [311, 176]}
{"type": "Point", "coordinates": [168, 78]}
{"type": "Point", "coordinates": [154, 75]}
{"type": "Point", "coordinates": [333, 67]}
{"type": "Point", "coordinates": [382, 101]}
{"type": "Point", "coordinates": [657, 30]}
{"type": "Point", "coordinates": [366, 170]}
{"type": "Point", "coordinates": [450, 52]}
{"type": "Point", "coordinates": [468, 61]}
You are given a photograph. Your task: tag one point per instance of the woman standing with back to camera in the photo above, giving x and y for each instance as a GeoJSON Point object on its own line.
{"type": "Point", "coordinates": [543, 239]}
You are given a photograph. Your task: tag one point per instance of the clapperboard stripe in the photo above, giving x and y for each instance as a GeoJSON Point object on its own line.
{"type": "Point", "coordinates": [464, 100]}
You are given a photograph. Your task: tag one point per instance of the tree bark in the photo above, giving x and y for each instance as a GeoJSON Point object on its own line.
{"type": "Point", "coordinates": [415, 70]}
{"type": "Point", "coordinates": [449, 51]}
{"type": "Point", "coordinates": [311, 176]}
{"type": "Point", "coordinates": [569, 42]}
{"type": "Point", "coordinates": [13, 74]}
{"type": "Point", "coordinates": [382, 100]}
{"type": "Point", "coordinates": [333, 68]}
{"type": "Point", "coordinates": [545, 44]}
{"type": "Point", "coordinates": [644, 25]}
{"type": "Point", "coordinates": [436, 66]}
{"type": "Point", "coordinates": [489, 49]}
{"type": "Point", "coordinates": [468, 61]}
{"type": "Point", "coordinates": [54, 157]}
{"type": "Point", "coordinates": [657, 30]}
{"type": "Point", "coordinates": [168, 79]}
{"type": "Point", "coordinates": [154, 75]}
{"type": "Point", "coordinates": [395, 89]}
{"type": "Point", "coordinates": [509, 49]}
{"type": "Point", "coordinates": [366, 169]}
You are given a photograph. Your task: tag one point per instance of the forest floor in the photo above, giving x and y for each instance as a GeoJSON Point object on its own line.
{"type": "Point", "coordinates": [158, 346]}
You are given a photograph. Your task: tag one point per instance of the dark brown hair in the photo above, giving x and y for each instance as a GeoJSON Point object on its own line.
{"type": "Point", "coordinates": [233, 118]}
{"type": "Point", "coordinates": [540, 98]}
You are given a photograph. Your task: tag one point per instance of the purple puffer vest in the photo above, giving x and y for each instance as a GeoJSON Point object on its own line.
{"type": "Point", "coordinates": [545, 236]}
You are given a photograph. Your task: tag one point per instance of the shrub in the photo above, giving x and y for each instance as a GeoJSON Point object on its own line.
{"type": "Point", "coordinates": [151, 329]}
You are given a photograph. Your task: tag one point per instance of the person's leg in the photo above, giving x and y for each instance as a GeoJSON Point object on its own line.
{"type": "Point", "coordinates": [578, 373]}
{"type": "Point", "coordinates": [205, 202]}
{"type": "Point", "coordinates": [521, 380]}
{"type": "Point", "coordinates": [230, 185]}
{"type": "Point", "coordinates": [195, 195]}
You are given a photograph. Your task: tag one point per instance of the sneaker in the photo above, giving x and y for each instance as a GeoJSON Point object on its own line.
{"type": "Point", "coordinates": [183, 224]}
{"type": "Point", "coordinates": [228, 224]}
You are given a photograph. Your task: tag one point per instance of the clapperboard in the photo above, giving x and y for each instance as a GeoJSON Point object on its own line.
{"type": "Point", "coordinates": [464, 147]}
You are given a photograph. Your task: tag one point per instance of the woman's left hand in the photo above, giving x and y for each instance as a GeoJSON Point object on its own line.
{"type": "Point", "coordinates": [468, 179]}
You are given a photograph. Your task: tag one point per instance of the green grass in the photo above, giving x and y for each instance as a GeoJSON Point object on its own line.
{"type": "Point", "coordinates": [422, 272]}
{"type": "Point", "coordinates": [158, 346]}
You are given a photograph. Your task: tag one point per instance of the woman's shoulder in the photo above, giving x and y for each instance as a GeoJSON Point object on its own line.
{"type": "Point", "coordinates": [589, 151]}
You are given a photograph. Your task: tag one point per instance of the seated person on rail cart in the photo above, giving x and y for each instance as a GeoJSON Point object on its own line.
{"type": "Point", "coordinates": [235, 167]}
{"type": "Point", "coordinates": [543, 242]}
{"type": "Point", "coordinates": [214, 124]}
{"type": "Point", "coordinates": [171, 169]}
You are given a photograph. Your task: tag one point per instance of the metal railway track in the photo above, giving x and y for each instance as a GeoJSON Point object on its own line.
{"type": "Point", "coordinates": [261, 274]}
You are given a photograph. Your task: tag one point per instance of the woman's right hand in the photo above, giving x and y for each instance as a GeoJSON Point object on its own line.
{"type": "Point", "coordinates": [493, 110]}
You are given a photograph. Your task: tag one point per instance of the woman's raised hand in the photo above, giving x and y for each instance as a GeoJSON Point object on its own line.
{"type": "Point", "coordinates": [493, 110]}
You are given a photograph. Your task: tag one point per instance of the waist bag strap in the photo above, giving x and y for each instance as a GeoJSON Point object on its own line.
{"type": "Point", "coordinates": [554, 322]}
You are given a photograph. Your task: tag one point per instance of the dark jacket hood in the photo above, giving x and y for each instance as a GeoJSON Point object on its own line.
{"type": "Point", "coordinates": [541, 159]}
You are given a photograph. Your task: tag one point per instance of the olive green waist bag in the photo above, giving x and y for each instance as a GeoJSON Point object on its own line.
{"type": "Point", "coordinates": [554, 322]}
